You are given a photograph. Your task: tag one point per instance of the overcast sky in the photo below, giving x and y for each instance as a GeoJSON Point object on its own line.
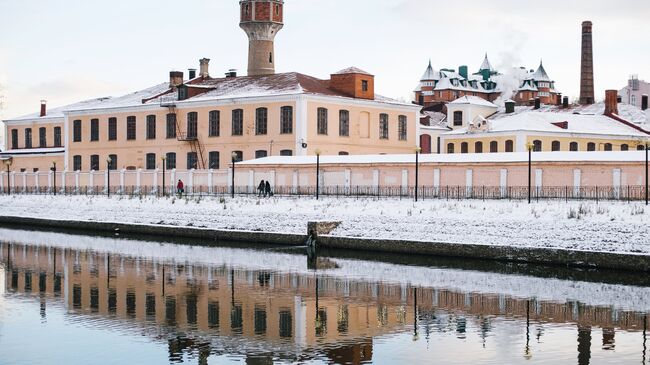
{"type": "Point", "coordinates": [65, 51]}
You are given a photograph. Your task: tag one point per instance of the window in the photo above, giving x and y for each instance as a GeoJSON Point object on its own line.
{"type": "Point", "coordinates": [170, 160]}
{"type": "Point", "coordinates": [151, 161]}
{"type": "Point", "coordinates": [633, 100]}
{"type": "Point", "coordinates": [591, 146]}
{"type": "Point", "coordinates": [555, 146]}
{"type": "Point", "coordinates": [608, 146]}
{"type": "Point", "coordinates": [94, 129]}
{"type": "Point", "coordinates": [322, 121]}
{"type": "Point", "coordinates": [464, 147]}
{"type": "Point", "coordinates": [625, 147]}
{"type": "Point", "coordinates": [171, 125]}
{"type": "Point", "coordinates": [458, 118]}
{"type": "Point", "coordinates": [28, 138]}
{"type": "Point", "coordinates": [214, 121]}
{"type": "Point", "coordinates": [260, 153]}
{"type": "Point", "coordinates": [130, 128]}
{"type": "Point", "coordinates": [494, 147]}
{"type": "Point", "coordinates": [383, 126]}
{"type": "Point", "coordinates": [94, 162]}
{"type": "Point", "coordinates": [277, 9]}
{"type": "Point", "coordinates": [344, 123]}
{"type": "Point", "coordinates": [537, 145]}
{"type": "Point", "coordinates": [57, 136]}
{"type": "Point", "coordinates": [510, 146]}
{"type": "Point", "coordinates": [286, 323]}
{"type": "Point", "coordinates": [192, 125]}
{"type": "Point", "coordinates": [76, 131]}
{"type": "Point", "coordinates": [76, 163]}
{"type": "Point", "coordinates": [450, 148]}
{"type": "Point", "coordinates": [261, 121]}
{"type": "Point", "coordinates": [364, 85]}
{"type": "Point", "coordinates": [213, 160]}
{"type": "Point", "coordinates": [286, 120]}
{"type": "Point", "coordinates": [42, 137]}
{"type": "Point", "coordinates": [239, 156]}
{"type": "Point", "coordinates": [112, 129]}
{"type": "Point", "coordinates": [113, 164]}
{"type": "Point", "coordinates": [237, 122]}
{"type": "Point", "coordinates": [573, 146]}
{"type": "Point", "coordinates": [478, 147]}
{"type": "Point", "coordinates": [151, 127]}
{"type": "Point", "coordinates": [14, 139]}
{"type": "Point", "coordinates": [191, 160]}
{"type": "Point", "coordinates": [401, 130]}
{"type": "Point", "coordinates": [286, 153]}
{"type": "Point", "coordinates": [343, 153]}
{"type": "Point", "coordinates": [640, 148]}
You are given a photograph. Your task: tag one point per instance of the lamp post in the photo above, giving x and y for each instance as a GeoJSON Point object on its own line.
{"type": "Point", "coordinates": [232, 188]}
{"type": "Point", "coordinates": [529, 146]}
{"type": "Point", "coordinates": [317, 172]}
{"type": "Point", "coordinates": [108, 176]}
{"type": "Point", "coordinates": [417, 167]}
{"type": "Point", "coordinates": [8, 163]}
{"type": "Point", "coordinates": [54, 177]}
{"type": "Point", "coordinates": [164, 159]}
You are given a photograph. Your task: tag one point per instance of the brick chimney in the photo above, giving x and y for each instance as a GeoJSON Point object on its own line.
{"type": "Point", "coordinates": [175, 79]}
{"type": "Point", "coordinates": [204, 66]}
{"type": "Point", "coordinates": [43, 108]}
{"type": "Point", "coordinates": [611, 105]}
{"type": "Point", "coordinates": [587, 66]}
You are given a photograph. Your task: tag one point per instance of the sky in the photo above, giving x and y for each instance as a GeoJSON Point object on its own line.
{"type": "Point", "coordinates": [68, 51]}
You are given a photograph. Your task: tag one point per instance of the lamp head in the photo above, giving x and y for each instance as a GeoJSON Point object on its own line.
{"type": "Point", "coordinates": [109, 160]}
{"type": "Point", "coordinates": [529, 146]}
{"type": "Point", "coordinates": [418, 149]}
{"type": "Point", "coordinates": [317, 152]}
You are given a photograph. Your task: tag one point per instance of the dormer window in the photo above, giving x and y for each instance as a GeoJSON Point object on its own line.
{"type": "Point", "coordinates": [182, 93]}
{"type": "Point", "coordinates": [364, 85]}
{"type": "Point", "coordinates": [277, 10]}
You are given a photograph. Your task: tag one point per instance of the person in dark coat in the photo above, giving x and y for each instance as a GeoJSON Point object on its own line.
{"type": "Point", "coordinates": [260, 188]}
{"type": "Point", "coordinates": [267, 190]}
{"type": "Point", "coordinates": [180, 188]}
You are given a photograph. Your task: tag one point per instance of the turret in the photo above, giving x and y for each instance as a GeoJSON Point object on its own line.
{"type": "Point", "coordinates": [261, 20]}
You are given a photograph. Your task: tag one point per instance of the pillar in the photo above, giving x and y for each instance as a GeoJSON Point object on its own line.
{"type": "Point", "coordinates": [122, 172]}
{"type": "Point", "coordinates": [210, 177]}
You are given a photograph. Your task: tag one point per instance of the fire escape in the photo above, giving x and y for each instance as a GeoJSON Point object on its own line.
{"type": "Point", "coordinates": [190, 136]}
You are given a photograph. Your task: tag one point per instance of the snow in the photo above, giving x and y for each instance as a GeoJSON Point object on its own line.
{"type": "Point", "coordinates": [28, 151]}
{"type": "Point", "coordinates": [352, 70]}
{"type": "Point", "coordinates": [473, 100]}
{"type": "Point", "coordinates": [617, 296]}
{"type": "Point", "coordinates": [607, 227]}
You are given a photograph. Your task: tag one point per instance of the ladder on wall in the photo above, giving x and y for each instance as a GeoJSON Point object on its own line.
{"type": "Point", "coordinates": [182, 136]}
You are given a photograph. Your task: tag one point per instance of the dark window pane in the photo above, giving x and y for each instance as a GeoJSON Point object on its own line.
{"type": "Point", "coordinates": [402, 128]}
{"type": "Point", "coordinates": [260, 320]}
{"type": "Point", "coordinates": [171, 125]}
{"type": "Point", "coordinates": [130, 128]}
{"type": "Point", "coordinates": [76, 131]}
{"type": "Point", "coordinates": [151, 161]}
{"type": "Point", "coordinates": [213, 158]}
{"type": "Point", "coordinates": [383, 126]}
{"type": "Point", "coordinates": [42, 137]}
{"type": "Point", "coordinates": [94, 129]}
{"type": "Point", "coordinates": [151, 127]}
{"type": "Point", "coordinates": [286, 153]}
{"type": "Point", "coordinates": [112, 129]}
{"type": "Point", "coordinates": [237, 122]}
{"type": "Point", "coordinates": [171, 160]}
{"type": "Point", "coordinates": [286, 323]}
{"type": "Point", "coordinates": [322, 121]}
{"type": "Point", "coordinates": [286, 120]}
{"type": "Point", "coordinates": [261, 121]}
{"type": "Point", "coordinates": [344, 123]}
{"type": "Point", "coordinates": [57, 136]}
{"type": "Point", "coordinates": [215, 123]}
{"type": "Point", "coordinates": [213, 314]}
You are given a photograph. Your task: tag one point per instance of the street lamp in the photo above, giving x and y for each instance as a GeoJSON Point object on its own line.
{"type": "Point", "coordinates": [8, 163]}
{"type": "Point", "coordinates": [232, 188]}
{"type": "Point", "coordinates": [529, 146]}
{"type": "Point", "coordinates": [164, 158]}
{"type": "Point", "coordinates": [54, 177]}
{"type": "Point", "coordinates": [417, 166]}
{"type": "Point", "coordinates": [108, 176]}
{"type": "Point", "coordinates": [317, 172]}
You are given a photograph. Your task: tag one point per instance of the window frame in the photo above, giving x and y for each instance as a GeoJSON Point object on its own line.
{"type": "Point", "coordinates": [261, 121]}
{"type": "Point", "coordinates": [151, 126]}
{"type": "Point", "coordinates": [213, 160]}
{"type": "Point", "coordinates": [42, 137]}
{"type": "Point", "coordinates": [458, 118]}
{"type": "Point", "coordinates": [112, 129]}
{"type": "Point", "coordinates": [321, 121]}
{"type": "Point", "coordinates": [170, 160]}
{"type": "Point", "coordinates": [286, 119]}
{"type": "Point", "coordinates": [94, 162]}
{"type": "Point", "coordinates": [76, 131]}
{"type": "Point", "coordinates": [451, 147]}
{"type": "Point", "coordinates": [344, 123]}
{"type": "Point", "coordinates": [170, 126]}
{"type": "Point", "coordinates": [57, 136]}
{"type": "Point", "coordinates": [237, 122]}
{"type": "Point", "coordinates": [131, 128]}
{"type": "Point", "coordinates": [76, 163]}
{"type": "Point", "coordinates": [28, 138]}
{"type": "Point", "coordinates": [150, 161]}
{"type": "Point", "coordinates": [192, 131]}
{"type": "Point", "coordinates": [383, 126]}
{"type": "Point", "coordinates": [214, 123]}
{"type": "Point", "coordinates": [14, 139]}
{"type": "Point", "coordinates": [94, 130]}
{"type": "Point", "coordinates": [402, 126]}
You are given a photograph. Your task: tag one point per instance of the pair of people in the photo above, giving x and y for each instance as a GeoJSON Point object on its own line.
{"type": "Point", "coordinates": [264, 188]}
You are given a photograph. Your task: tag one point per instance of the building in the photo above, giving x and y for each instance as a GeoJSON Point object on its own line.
{"type": "Point", "coordinates": [635, 93]}
{"type": "Point", "coordinates": [523, 86]}
{"type": "Point", "coordinates": [203, 122]}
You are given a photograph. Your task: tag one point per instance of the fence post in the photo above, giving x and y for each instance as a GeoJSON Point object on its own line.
{"type": "Point", "coordinates": [154, 190]}
{"type": "Point", "coordinates": [76, 181]}
{"type": "Point", "coordinates": [190, 182]}
{"type": "Point", "coordinates": [91, 180]}
{"type": "Point", "coordinates": [122, 172]}
{"type": "Point", "coordinates": [36, 182]}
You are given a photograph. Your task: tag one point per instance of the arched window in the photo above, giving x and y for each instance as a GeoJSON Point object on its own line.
{"type": "Point", "coordinates": [464, 147]}
{"type": "Point", "coordinates": [478, 147]}
{"type": "Point", "coordinates": [286, 120]}
{"type": "Point", "coordinates": [640, 148]}
{"type": "Point", "coordinates": [537, 145]}
{"type": "Point", "coordinates": [450, 148]}
{"type": "Point", "coordinates": [344, 123]}
{"type": "Point", "coordinates": [150, 161]}
{"type": "Point", "coordinates": [192, 125]}
{"type": "Point", "coordinates": [510, 146]}
{"type": "Point", "coordinates": [591, 146]}
{"type": "Point", "coordinates": [113, 164]}
{"type": "Point", "coordinates": [608, 146]}
{"type": "Point", "coordinates": [401, 129]}
{"type": "Point", "coordinates": [322, 121]}
{"type": "Point", "coordinates": [494, 146]}
{"type": "Point", "coordinates": [213, 160]}
{"type": "Point", "coordinates": [625, 147]}
{"type": "Point", "coordinates": [151, 127]}
{"type": "Point", "coordinates": [425, 143]}
{"type": "Point", "coordinates": [214, 123]}
{"type": "Point", "coordinates": [573, 146]}
{"type": "Point", "coordinates": [170, 160]}
{"type": "Point", "coordinates": [286, 152]}
{"type": "Point", "coordinates": [555, 146]}
{"type": "Point", "coordinates": [458, 118]}
{"type": "Point", "coordinates": [261, 121]}
{"type": "Point", "coordinates": [237, 122]}
{"type": "Point", "coordinates": [261, 153]}
{"type": "Point", "coordinates": [383, 126]}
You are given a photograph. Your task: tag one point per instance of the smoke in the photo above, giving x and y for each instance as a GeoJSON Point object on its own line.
{"type": "Point", "coordinates": [509, 82]}
{"type": "Point", "coordinates": [510, 64]}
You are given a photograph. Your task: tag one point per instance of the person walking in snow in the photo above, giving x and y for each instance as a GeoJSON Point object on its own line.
{"type": "Point", "coordinates": [260, 189]}
{"type": "Point", "coordinates": [180, 188]}
{"type": "Point", "coordinates": [267, 190]}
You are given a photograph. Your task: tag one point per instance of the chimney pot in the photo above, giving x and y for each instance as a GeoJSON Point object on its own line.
{"type": "Point", "coordinates": [611, 105]}
{"type": "Point", "coordinates": [510, 106]}
{"type": "Point", "coordinates": [175, 79]}
{"type": "Point", "coordinates": [565, 102]}
{"type": "Point", "coordinates": [43, 108]}
{"type": "Point", "coordinates": [204, 68]}
{"type": "Point", "coordinates": [191, 73]}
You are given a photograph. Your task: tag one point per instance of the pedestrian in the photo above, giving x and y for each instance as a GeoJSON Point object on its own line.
{"type": "Point", "coordinates": [180, 188]}
{"type": "Point", "coordinates": [267, 190]}
{"type": "Point", "coordinates": [260, 188]}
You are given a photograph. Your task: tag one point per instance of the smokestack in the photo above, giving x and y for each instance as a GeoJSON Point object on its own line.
{"type": "Point", "coordinates": [565, 102]}
{"type": "Point", "coordinates": [191, 73]}
{"type": "Point", "coordinates": [510, 106]}
{"type": "Point", "coordinates": [44, 107]}
{"type": "Point", "coordinates": [538, 103]}
{"type": "Point", "coordinates": [203, 71]}
{"type": "Point", "coordinates": [587, 66]}
{"type": "Point", "coordinates": [644, 102]}
{"type": "Point", "coordinates": [175, 78]}
{"type": "Point", "coordinates": [611, 106]}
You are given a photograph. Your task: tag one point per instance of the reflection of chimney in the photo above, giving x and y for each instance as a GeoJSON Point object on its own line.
{"type": "Point", "coordinates": [587, 66]}
{"type": "Point", "coordinates": [43, 108]}
{"type": "Point", "coordinates": [203, 71]}
{"type": "Point", "coordinates": [644, 102]}
{"type": "Point", "coordinates": [175, 78]}
{"type": "Point", "coordinates": [611, 106]}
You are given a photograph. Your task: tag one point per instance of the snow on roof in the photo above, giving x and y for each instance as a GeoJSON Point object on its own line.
{"type": "Point", "coordinates": [429, 74]}
{"type": "Point", "coordinates": [473, 100]}
{"type": "Point", "coordinates": [486, 64]}
{"type": "Point", "coordinates": [33, 151]}
{"type": "Point", "coordinates": [352, 70]}
{"type": "Point", "coordinates": [542, 121]}
{"type": "Point", "coordinates": [595, 156]}
{"type": "Point", "coordinates": [540, 74]}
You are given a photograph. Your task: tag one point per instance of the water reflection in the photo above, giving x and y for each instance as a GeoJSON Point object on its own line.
{"type": "Point", "coordinates": [201, 309]}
